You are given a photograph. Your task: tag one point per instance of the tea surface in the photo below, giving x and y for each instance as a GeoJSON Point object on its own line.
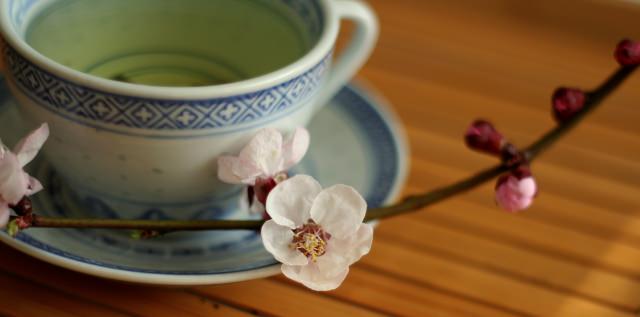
{"type": "Point", "coordinates": [168, 42]}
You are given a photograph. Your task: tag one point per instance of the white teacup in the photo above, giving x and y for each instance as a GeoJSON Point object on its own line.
{"type": "Point", "coordinates": [136, 147]}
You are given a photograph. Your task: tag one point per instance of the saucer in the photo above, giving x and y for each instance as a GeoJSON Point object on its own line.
{"type": "Point", "coordinates": [355, 140]}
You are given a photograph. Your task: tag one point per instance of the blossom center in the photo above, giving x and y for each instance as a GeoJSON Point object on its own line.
{"type": "Point", "coordinates": [310, 240]}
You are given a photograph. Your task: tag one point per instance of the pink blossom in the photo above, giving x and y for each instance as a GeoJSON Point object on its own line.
{"type": "Point", "coordinates": [316, 234]}
{"type": "Point", "coordinates": [266, 155]}
{"type": "Point", "coordinates": [263, 163]}
{"type": "Point", "coordinates": [15, 183]}
{"type": "Point", "coordinates": [515, 192]}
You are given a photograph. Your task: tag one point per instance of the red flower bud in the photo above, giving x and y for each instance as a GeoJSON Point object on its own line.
{"type": "Point", "coordinates": [23, 207]}
{"type": "Point", "coordinates": [263, 187]}
{"type": "Point", "coordinates": [25, 221]}
{"type": "Point", "coordinates": [567, 102]}
{"type": "Point", "coordinates": [482, 136]}
{"type": "Point", "coordinates": [628, 53]}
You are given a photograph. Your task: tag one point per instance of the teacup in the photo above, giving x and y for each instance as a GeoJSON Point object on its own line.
{"type": "Point", "coordinates": [126, 131]}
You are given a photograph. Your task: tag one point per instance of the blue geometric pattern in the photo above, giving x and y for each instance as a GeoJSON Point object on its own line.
{"type": "Point", "coordinates": [101, 109]}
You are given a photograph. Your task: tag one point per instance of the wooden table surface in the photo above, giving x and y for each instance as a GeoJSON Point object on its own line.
{"type": "Point", "coordinates": [441, 64]}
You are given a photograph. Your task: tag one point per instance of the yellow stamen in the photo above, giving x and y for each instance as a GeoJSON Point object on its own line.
{"type": "Point", "coordinates": [311, 240]}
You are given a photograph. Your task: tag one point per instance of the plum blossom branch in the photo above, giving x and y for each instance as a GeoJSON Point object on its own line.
{"type": "Point", "coordinates": [593, 100]}
{"type": "Point", "coordinates": [627, 54]}
{"type": "Point", "coordinates": [408, 204]}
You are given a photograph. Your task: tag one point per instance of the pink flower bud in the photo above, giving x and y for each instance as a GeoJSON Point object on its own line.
{"type": "Point", "coordinates": [567, 102]}
{"type": "Point", "coordinates": [482, 136]}
{"type": "Point", "coordinates": [628, 53]}
{"type": "Point", "coordinates": [515, 191]}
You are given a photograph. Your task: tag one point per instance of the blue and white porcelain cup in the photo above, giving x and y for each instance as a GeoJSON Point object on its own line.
{"type": "Point", "coordinates": [137, 148]}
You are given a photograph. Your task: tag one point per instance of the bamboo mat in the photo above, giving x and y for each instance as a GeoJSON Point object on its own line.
{"type": "Point", "coordinates": [576, 252]}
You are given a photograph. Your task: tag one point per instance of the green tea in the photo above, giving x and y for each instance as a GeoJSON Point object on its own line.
{"type": "Point", "coordinates": [170, 42]}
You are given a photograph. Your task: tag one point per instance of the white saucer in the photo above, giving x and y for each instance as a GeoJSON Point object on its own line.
{"type": "Point", "coordinates": [356, 140]}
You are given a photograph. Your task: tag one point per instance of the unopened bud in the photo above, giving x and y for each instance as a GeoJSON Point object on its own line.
{"type": "Point", "coordinates": [23, 207]}
{"type": "Point", "coordinates": [515, 191]}
{"type": "Point", "coordinates": [628, 53]}
{"type": "Point", "coordinates": [566, 102]}
{"type": "Point", "coordinates": [482, 136]}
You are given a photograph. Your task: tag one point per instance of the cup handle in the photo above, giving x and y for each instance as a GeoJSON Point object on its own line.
{"type": "Point", "coordinates": [357, 52]}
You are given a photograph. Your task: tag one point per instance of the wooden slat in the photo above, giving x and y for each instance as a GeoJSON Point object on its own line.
{"type": "Point", "coordinates": [504, 56]}
{"type": "Point", "coordinates": [619, 169]}
{"type": "Point", "coordinates": [443, 109]}
{"type": "Point", "coordinates": [272, 297]}
{"type": "Point", "coordinates": [538, 269]}
{"type": "Point", "coordinates": [17, 299]}
{"type": "Point", "coordinates": [552, 205]}
{"type": "Point", "coordinates": [401, 297]}
{"type": "Point", "coordinates": [489, 286]}
{"type": "Point", "coordinates": [132, 299]}
{"type": "Point", "coordinates": [583, 247]}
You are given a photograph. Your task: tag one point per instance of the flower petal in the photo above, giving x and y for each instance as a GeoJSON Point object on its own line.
{"type": "Point", "coordinates": [340, 210]}
{"type": "Point", "coordinates": [28, 147]}
{"type": "Point", "coordinates": [344, 252]}
{"type": "Point", "coordinates": [33, 185]}
{"type": "Point", "coordinates": [311, 277]}
{"type": "Point", "coordinates": [247, 171]}
{"type": "Point", "coordinates": [357, 245]}
{"type": "Point", "coordinates": [264, 152]}
{"type": "Point", "coordinates": [277, 240]}
{"type": "Point", "coordinates": [295, 148]}
{"type": "Point", "coordinates": [289, 202]}
{"type": "Point", "coordinates": [5, 212]}
{"type": "Point", "coordinates": [515, 195]}
{"type": "Point", "coordinates": [234, 170]}
{"type": "Point", "coordinates": [332, 262]}
{"type": "Point", "coordinates": [527, 187]}
{"type": "Point", "coordinates": [225, 170]}
{"type": "Point", "coordinates": [13, 181]}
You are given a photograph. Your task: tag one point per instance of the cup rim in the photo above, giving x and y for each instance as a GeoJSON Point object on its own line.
{"type": "Point", "coordinates": [314, 56]}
